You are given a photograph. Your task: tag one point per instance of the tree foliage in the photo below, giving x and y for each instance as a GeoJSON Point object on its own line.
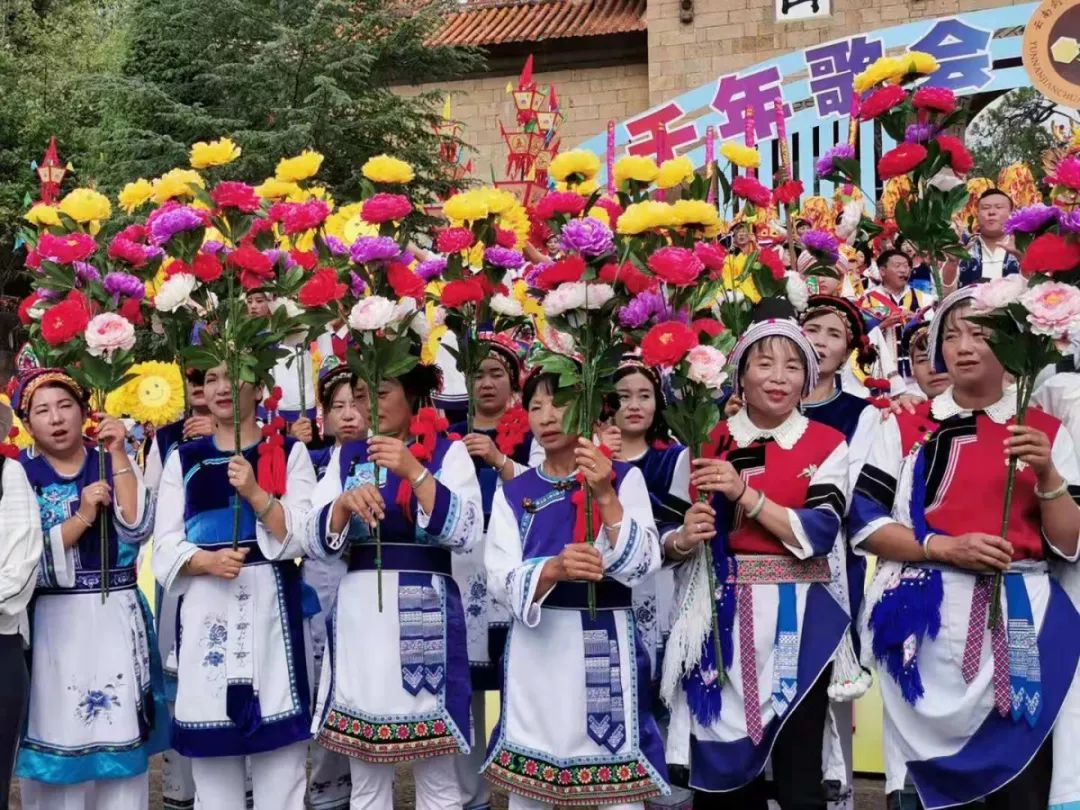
{"type": "Point", "coordinates": [1014, 131]}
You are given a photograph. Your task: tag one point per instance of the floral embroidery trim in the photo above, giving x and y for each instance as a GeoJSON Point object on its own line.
{"type": "Point", "coordinates": [573, 785]}
{"type": "Point", "coordinates": [386, 742]}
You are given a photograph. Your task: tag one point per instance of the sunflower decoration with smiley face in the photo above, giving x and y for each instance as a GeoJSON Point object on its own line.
{"type": "Point", "coordinates": [153, 394]}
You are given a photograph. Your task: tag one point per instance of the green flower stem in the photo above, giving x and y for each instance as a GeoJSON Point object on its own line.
{"type": "Point", "coordinates": [710, 566]}
{"type": "Point", "coordinates": [103, 514]}
{"type": "Point", "coordinates": [377, 529]}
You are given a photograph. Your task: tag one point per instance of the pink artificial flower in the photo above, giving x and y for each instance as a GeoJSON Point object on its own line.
{"type": "Point", "coordinates": [382, 207]}
{"type": "Point", "coordinates": [707, 367]}
{"type": "Point", "coordinates": [999, 293]}
{"type": "Point", "coordinates": [108, 333]}
{"type": "Point", "coordinates": [1053, 309]}
{"type": "Point", "coordinates": [1066, 173]}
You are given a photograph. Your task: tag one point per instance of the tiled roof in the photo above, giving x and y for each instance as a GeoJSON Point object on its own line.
{"type": "Point", "coordinates": [495, 22]}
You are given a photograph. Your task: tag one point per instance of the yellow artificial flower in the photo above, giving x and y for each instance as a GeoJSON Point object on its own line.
{"type": "Point", "coordinates": [355, 227]}
{"type": "Point", "coordinates": [584, 189]}
{"type": "Point", "coordinates": [596, 212]}
{"type": "Point", "coordinates": [387, 169]}
{"type": "Point", "coordinates": [318, 193]}
{"type": "Point", "coordinates": [467, 206]}
{"type": "Point", "coordinates": [274, 189]}
{"type": "Point", "coordinates": [735, 279]}
{"type": "Point", "coordinates": [298, 168]}
{"type": "Point", "coordinates": [696, 214]}
{"type": "Point", "coordinates": [154, 284]}
{"type": "Point", "coordinates": [646, 216]}
{"type": "Point", "coordinates": [884, 69]}
{"type": "Point", "coordinates": [335, 223]}
{"type": "Point", "coordinates": [177, 183]}
{"type": "Point", "coordinates": [675, 172]}
{"type": "Point", "coordinates": [498, 200]}
{"type": "Point", "coordinates": [575, 166]}
{"type": "Point", "coordinates": [516, 219]}
{"type": "Point", "coordinates": [214, 153]}
{"type": "Point", "coordinates": [915, 62]}
{"type": "Point", "coordinates": [154, 394]}
{"type": "Point", "coordinates": [86, 205]}
{"type": "Point", "coordinates": [135, 194]}
{"type": "Point", "coordinates": [745, 157]}
{"type": "Point", "coordinates": [635, 167]}
{"type": "Point", "coordinates": [42, 215]}
{"type": "Point", "coordinates": [21, 439]}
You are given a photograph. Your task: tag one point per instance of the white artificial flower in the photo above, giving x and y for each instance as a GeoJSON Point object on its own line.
{"type": "Point", "coordinates": [505, 305]}
{"type": "Point", "coordinates": [797, 292]}
{"type": "Point", "coordinates": [577, 295]}
{"type": "Point", "coordinates": [175, 292]}
{"type": "Point", "coordinates": [946, 180]}
{"type": "Point", "coordinates": [999, 293]}
{"type": "Point", "coordinates": [372, 313]}
{"type": "Point", "coordinates": [707, 366]}
{"type": "Point", "coordinates": [108, 333]}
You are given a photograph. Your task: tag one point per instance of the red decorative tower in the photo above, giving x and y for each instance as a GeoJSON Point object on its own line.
{"type": "Point", "coordinates": [51, 174]}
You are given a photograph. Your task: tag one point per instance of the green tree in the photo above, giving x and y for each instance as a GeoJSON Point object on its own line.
{"type": "Point", "coordinates": [277, 77]}
{"type": "Point", "coordinates": [1014, 131]}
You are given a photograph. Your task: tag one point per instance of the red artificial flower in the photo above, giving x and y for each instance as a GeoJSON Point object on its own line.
{"type": "Point", "coordinates": [26, 305]}
{"type": "Point", "coordinates": [459, 293]}
{"type": "Point", "coordinates": [136, 233]}
{"type": "Point", "coordinates": [1066, 173]}
{"type": "Point", "coordinates": [505, 238]}
{"type": "Point", "coordinates": [771, 259]}
{"type": "Point", "coordinates": [710, 327]}
{"type": "Point", "coordinates": [959, 158]}
{"type": "Point", "coordinates": [539, 233]}
{"type": "Point", "coordinates": [614, 210]}
{"type": "Point", "coordinates": [62, 322]}
{"type": "Point", "coordinates": [452, 240]}
{"type": "Point", "coordinates": [235, 195]}
{"type": "Point", "coordinates": [748, 188]}
{"type": "Point", "coordinates": [307, 259]}
{"type": "Point", "coordinates": [177, 266]}
{"type": "Point", "coordinates": [71, 247]}
{"type": "Point", "coordinates": [568, 268]}
{"type": "Point", "coordinates": [322, 288]}
{"type": "Point", "coordinates": [404, 282]}
{"type": "Point", "coordinates": [676, 265]}
{"type": "Point", "coordinates": [206, 267]}
{"type": "Point", "coordinates": [254, 266]}
{"type": "Point", "coordinates": [712, 256]}
{"type": "Point", "coordinates": [666, 344]}
{"type": "Point", "coordinates": [123, 249]}
{"type": "Point", "coordinates": [33, 260]}
{"type": "Point", "coordinates": [131, 310]}
{"type": "Point", "coordinates": [901, 160]}
{"type": "Point", "coordinates": [1050, 253]}
{"type": "Point", "coordinates": [787, 193]}
{"type": "Point", "coordinates": [259, 227]}
{"type": "Point", "coordinates": [626, 274]}
{"type": "Point", "coordinates": [938, 99]}
{"type": "Point", "coordinates": [384, 207]}
{"type": "Point", "coordinates": [511, 430]}
{"type": "Point", "coordinates": [559, 202]}
{"type": "Point", "coordinates": [881, 101]}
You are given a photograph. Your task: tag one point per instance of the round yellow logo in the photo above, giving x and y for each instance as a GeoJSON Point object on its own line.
{"type": "Point", "coordinates": [1052, 50]}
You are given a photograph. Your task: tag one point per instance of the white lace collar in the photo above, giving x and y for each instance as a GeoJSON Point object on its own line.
{"type": "Point", "coordinates": [786, 434]}
{"type": "Point", "coordinates": [944, 406]}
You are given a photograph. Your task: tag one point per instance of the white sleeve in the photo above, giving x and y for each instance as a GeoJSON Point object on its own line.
{"type": "Point", "coordinates": [141, 526]}
{"type": "Point", "coordinates": [1063, 456]}
{"type": "Point", "coordinates": [537, 454]}
{"type": "Point", "coordinates": [862, 440]}
{"type": "Point", "coordinates": [20, 549]}
{"type": "Point", "coordinates": [171, 547]}
{"type": "Point", "coordinates": [300, 481]}
{"type": "Point", "coordinates": [154, 467]}
{"type": "Point", "coordinates": [680, 489]}
{"type": "Point", "coordinates": [456, 520]}
{"type": "Point", "coordinates": [1060, 397]}
{"type": "Point", "coordinates": [875, 489]}
{"type": "Point", "coordinates": [512, 581]}
{"type": "Point", "coordinates": [635, 553]}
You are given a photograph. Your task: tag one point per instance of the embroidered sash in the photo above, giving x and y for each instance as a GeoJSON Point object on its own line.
{"type": "Point", "coordinates": [605, 713]}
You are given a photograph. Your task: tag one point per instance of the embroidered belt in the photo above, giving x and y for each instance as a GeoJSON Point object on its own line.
{"type": "Point", "coordinates": [768, 569]}
{"type": "Point", "coordinates": [610, 595]}
{"type": "Point", "coordinates": [120, 579]}
{"type": "Point", "coordinates": [402, 557]}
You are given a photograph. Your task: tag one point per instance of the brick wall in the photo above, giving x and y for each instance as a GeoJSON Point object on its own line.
{"type": "Point", "coordinates": [589, 97]}
{"type": "Point", "coordinates": [733, 34]}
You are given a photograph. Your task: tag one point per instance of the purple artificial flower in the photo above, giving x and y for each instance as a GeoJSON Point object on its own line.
{"type": "Point", "coordinates": [407, 257]}
{"type": "Point", "coordinates": [920, 133]}
{"type": "Point", "coordinates": [842, 151]}
{"type": "Point", "coordinates": [356, 284]}
{"type": "Point", "coordinates": [176, 220]}
{"type": "Point", "coordinates": [590, 237]}
{"type": "Point", "coordinates": [502, 257]}
{"type": "Point", "coordinates": [641, 308]}
{"type": "Point", "coordinates": [48, 295]}
{"type": "Point", "coordinates": [374, 248]}
{"type": "Point", "coordinates": [275, 254]}
{"type": "Point", "coordinates": [1031, 219]}
{"type": "Point", "coordinates": [125, 284]}
{"type": "Point", "coordinates": [1069, 221]}
{"type": "Point", "coordinates": [335, 245]}
{"type": "Point", "coordinates": [212, 246]}
{"type": "Point", "coordinates": [427, 270]}
{"type": "Point", "coordinates": [822, 243]}
{"type": "Point", "coordinates": [534, 272]}
{"type": "Point", "coordinates": [86, 272]}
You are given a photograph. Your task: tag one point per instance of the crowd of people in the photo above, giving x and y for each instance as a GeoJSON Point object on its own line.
{"type": "Point", "coordinates": [305, 662]}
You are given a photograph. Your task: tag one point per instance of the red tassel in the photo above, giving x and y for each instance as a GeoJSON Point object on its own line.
{"type": "Point", "coordinates": [404, 499]}
{"type": "Point", "coordinates": [272, 466]}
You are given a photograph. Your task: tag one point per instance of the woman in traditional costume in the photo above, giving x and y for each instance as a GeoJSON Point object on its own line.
{"type": "Point", "coordinates": [576, 725]}
{"type": "Point", "coordinates": [396, 687]}
{"type": "Point", "coordinates": [969, 708]}
{"type": "Point", "coordinates": [777, 482]}
{"type": "Point", "coordinates": [97, 711]}
{"type": "Point", "coordinates": [645, 443]}
{"type": "Point", "coordinates": [345, 418]}
{"type": "Point", "coordinates": [243, 696]}
{"type": "Point", "coordinates": [500, 444]}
